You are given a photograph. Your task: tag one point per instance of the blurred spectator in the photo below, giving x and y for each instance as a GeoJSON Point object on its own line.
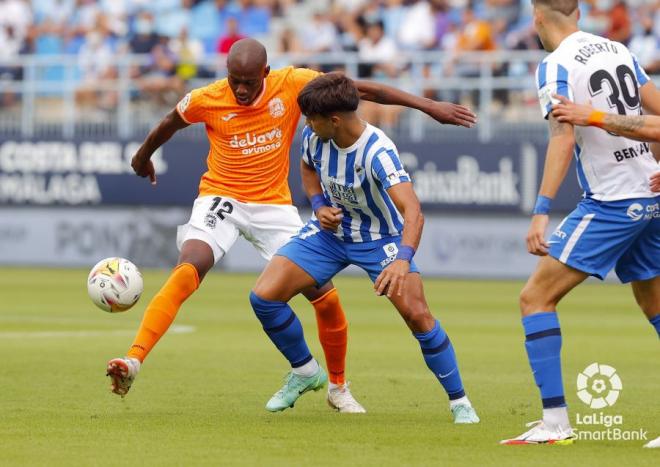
{"type": "Point", "coordinates": [417, 29]}
{"type": "Point", "coordinates": [96, 63]}
{"type": "Point", "coordinates": [619, 28]}
{"type": "Point", "coordinates": [189, 54]}
{"type": "Point", "coordinates": [288, 42]}
{"type": "Point", "coordinates": [17, 14]}
{"type": "Point", "coordinates": [253, 18]}
{"type": "Point", "coordinates": [231, 35]}
{"type": "Point", "coordinates": [319, 34]}
{"type": "Point", "coordinates": [646, 46]}
{"type": "Point", "coordinates": [172, 16]}
{"type": "Point", "coordinates": [380, 54]}
{"type": "Point", "coordinates": [145, 38]}
{"type": "Point", "coordinates": [160, 81]}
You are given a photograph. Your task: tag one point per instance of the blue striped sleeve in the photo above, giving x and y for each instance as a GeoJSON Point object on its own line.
{"type": "Point", "coordinates": [552, 78]}
{"type": "Point", "coordinates": [387, 168]}
{"type": "Point", "coordinates": [640, 73]}
{"type": "Point", "coordinates": [306, 152]}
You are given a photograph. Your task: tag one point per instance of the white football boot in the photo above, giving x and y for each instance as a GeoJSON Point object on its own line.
{"type": "Point", "coordinates": [653, 444]}
{"type": "Point", "coordinates": [122, 372]}
{"type": "Point", "coordinates": [341, 399]}
{"type": "Point", "coordinates": [543, 434]}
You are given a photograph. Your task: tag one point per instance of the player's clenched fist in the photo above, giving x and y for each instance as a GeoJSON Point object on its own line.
{"type": "Point", "coordinates": [329, 217]}
{"type": "Point", "coordinates": [144, 168]}
{"type": "Point", "coordinates": [393, 278]}
{"type": "Point", "coordinates": [536, 243]}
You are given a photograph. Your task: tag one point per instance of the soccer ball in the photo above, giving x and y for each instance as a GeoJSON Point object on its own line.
{"type": "Point", "coordinates": [114, 284]}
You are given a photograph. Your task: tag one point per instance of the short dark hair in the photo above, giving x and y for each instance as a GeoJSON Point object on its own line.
{"type": "Point", "coordinates": [565, 7]}
{"type": "Point", "coordinates": [328, 94]}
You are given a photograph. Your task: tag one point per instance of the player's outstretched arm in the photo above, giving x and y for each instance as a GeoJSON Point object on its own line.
{"type": "Point", "coordinates": [158, 136]}
{"type": "Point", "coordinates": [328, 216]}
{"type": "Point", "coordinates": [639, 127]}
{"type": "Point", "coordinates": [443, 112]}
{"type": "Point", "coordinates": [393, 277]}
{"type": "Point", "coordinates": [557, 161]}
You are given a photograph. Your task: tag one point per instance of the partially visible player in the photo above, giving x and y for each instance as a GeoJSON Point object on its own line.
{"type": "Point", "coordinates": [639, 127]}
{"type": "Point", "coordinates": [366, 214]}
{"type": "Point", "coordinates": [250, 118]}
{"type": "Point", "coordinates": [616, 225]}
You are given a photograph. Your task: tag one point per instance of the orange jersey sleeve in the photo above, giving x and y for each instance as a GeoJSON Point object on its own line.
{"type": "Point", "coordinates": [192, 108]}
{"type": "Point", "coordinates": [301, 76]}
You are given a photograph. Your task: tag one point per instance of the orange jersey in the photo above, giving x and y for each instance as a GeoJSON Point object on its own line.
{"type": "Point", "coordinates": [249, 155]}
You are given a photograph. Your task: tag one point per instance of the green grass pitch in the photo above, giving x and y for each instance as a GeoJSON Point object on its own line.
{"type": "Point", "coordinates": [199, 399]}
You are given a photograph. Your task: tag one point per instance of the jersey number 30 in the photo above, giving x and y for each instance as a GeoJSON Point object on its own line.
{"type": "Point", "coordinates": [624, 85]}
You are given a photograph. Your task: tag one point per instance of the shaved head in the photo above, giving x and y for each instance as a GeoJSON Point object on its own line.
{"type": "Point", "coordinates": [565, 7]}
{"type": "Point", "coordinates": [247, 53]}
{"type": "Point", "coordinates": [247, 67]}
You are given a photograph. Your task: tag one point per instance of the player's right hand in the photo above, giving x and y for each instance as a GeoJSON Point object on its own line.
{"type": "Point", "coordinates": [569, 112]}
{"type": "Point", "coordinates": [536, 243]}
{"type": "Point", "coordinates": [329, 217]}
{"type": "Point", "coordinates": [655, 182]}
{"type": "Point", "coordinates": [144, 168]}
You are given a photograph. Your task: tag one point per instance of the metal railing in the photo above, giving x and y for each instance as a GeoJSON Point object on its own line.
{"type": "Point", "coordinates": [45, 95]}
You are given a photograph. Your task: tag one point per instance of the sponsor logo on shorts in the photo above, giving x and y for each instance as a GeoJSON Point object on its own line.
{"type": "Point", "coordinates": [210, 220]}
{"type": "Point", "coordinates": [391, 251]}
{"type": "Point", "coordinates": [635, 211]}
{"type": "Point", "coordinates": [559, 233]}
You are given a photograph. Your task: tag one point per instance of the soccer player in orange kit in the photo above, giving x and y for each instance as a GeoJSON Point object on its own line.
{"type": "Point", "coordinates": [251, 118]}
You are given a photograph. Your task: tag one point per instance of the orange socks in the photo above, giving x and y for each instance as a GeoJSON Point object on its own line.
{"type": "Point", "coordinates": [163, 308]}
{"type": "Point", "coordinates": [333, 333]}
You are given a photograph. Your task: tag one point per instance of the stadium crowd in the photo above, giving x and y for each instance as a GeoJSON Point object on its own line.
{"type": "Point", "coordinates": [180, 36]}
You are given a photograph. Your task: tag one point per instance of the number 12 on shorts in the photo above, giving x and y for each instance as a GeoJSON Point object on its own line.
{"type": "Point", "coordinates": [220, 208]}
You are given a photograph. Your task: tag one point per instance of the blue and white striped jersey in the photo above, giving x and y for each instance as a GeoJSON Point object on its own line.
{"type": "Point", "coordinates": [356, 179]}
{"type": "Point", "coordinates": [589, 69]}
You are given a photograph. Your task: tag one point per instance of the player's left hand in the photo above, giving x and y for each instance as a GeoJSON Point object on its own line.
{"type": "Point", "coordinates": [452, 114]}
{"type": "Point", "coordinates": [393, 278]}
{"type": "Point", "coordinates": [570, 112]}
{"type": "Point", "coordinates": [655, 182]}
{"type": "Point", "coordinates": [536, 243]}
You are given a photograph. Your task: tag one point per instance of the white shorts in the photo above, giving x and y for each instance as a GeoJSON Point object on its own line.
{"type": "Point", "coordinates": [218, 221]}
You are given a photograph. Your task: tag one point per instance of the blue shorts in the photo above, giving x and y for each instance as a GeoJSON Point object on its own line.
{"type": "Point", "coordinates": [599, 236]}
{"type": "Point", "coordinates": [322, 255]}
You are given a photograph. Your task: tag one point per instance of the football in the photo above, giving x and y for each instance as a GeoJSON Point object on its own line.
{"type": "Point", "coordinates": [114, 284]}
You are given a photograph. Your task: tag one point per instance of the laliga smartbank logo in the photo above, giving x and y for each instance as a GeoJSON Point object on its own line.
{"type": "Point", "coordinates": [599, 387]}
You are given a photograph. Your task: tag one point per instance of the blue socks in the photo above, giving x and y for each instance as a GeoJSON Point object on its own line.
{"type": "Point", "coordinates": [284, 329]}
{"type": "Point", "coordinates": [655, 322]}
{"type": "Point", "coordinates": [440, 358]}
{"type": "Point", "coordinates": [543, 344]}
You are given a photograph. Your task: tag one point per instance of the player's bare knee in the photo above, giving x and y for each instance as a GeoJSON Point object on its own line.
{"type": "Point", "coordinates": [418, 317]}
{"type": "Point", "coordinates": [533, 299]}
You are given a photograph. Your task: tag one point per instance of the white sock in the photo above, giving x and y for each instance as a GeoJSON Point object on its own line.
{"type": "Point", "coordinates": [556, 416]}
{"type": "Point", "coordinates": [332, 386]}
{"type": "Point", "coordinates": [308, 369]}
{"type": "Point", "coordinates": [460, 401]}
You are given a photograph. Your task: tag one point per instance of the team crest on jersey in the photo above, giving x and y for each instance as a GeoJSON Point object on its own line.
{"type": "Point", "coordinates": [210, 220]}
{"type": "Point", "coordinates": [185, 102]}
{"type": "Point", "coordinates": [344, 193]}
{"type": "Point", "coordinates": [276, 107]}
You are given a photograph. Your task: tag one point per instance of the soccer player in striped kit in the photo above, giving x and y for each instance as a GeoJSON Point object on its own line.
{"type": "Point", "coordinates": [366, 214]}
{"type": "Point", "coordinates": [616, 225]}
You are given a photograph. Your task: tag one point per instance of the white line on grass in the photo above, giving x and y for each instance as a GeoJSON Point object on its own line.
{"type": "Point", "coordinates": [175, 329]}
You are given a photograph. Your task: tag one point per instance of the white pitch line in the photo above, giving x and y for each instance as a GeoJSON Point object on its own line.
{"type": "Point", "coordinates": [175, 329]}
